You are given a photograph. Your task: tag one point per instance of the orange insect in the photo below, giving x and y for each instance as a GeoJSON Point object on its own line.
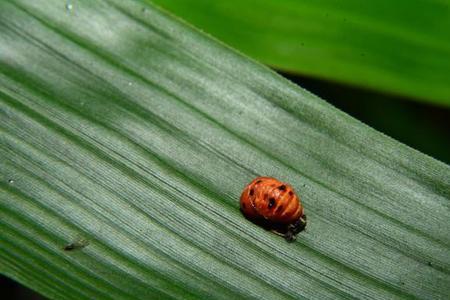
{"type": "Point", "coordinates": [273, 205]}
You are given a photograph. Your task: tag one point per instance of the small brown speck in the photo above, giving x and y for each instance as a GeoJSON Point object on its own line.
{"type": "Point", "coordinates": [76, 244]}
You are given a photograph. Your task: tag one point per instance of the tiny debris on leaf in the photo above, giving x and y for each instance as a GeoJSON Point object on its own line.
{"type": "Point", "coordinates": [76, 244]}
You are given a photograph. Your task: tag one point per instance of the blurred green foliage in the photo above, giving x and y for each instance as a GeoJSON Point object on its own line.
{"type": "Point", "coordinates": [399, 47]}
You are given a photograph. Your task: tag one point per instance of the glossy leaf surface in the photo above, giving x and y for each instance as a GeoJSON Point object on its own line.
{"type": "Point", "coordinates": [132, 135]}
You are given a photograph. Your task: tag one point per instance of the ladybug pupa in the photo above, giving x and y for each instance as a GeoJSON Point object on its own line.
{"type": "Point", "coordinates": [273, 205]}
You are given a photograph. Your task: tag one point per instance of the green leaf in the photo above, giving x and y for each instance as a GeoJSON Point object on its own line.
{"type": "Point", "coordinates": [127, 138]}
{"type": "Point", "coordinates": [399, 47]}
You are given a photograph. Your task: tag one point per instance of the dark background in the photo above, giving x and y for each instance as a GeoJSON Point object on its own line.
{"type": "Point", "coordinates": [421, 126]}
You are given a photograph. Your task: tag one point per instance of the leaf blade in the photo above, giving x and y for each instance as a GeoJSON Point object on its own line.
{"type": "Point", "coordinates": [150, 173]}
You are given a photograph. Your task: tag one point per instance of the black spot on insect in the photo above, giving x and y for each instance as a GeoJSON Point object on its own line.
{"type": "Point", "coordinates": [258, 181]}
{"type": "Point", "coordinates": [251, 192]}
{"type": "Point", "coordinates": [271, 202]}
{"type": "Point", "coordinates": [291, 193]}
{"type": "Point", "coordinates": [282, 187]}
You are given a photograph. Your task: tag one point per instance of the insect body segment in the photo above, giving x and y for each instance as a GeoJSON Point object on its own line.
{"type": "Point", "coordinates": [274, 205]}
